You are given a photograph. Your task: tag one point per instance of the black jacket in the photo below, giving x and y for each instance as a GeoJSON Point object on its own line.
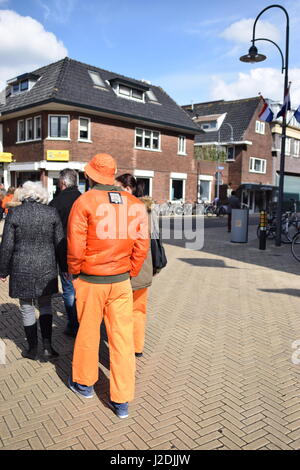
{"type": "Point", "coordinates": [63, 202]}
{"type": "Point", "coordinates": [30, 249]}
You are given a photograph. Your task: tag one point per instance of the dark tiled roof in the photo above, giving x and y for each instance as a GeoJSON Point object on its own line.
{"type": "Point", "coordinates": [238, 113]}
{"type": "Point", "coordinates": [67, 81]}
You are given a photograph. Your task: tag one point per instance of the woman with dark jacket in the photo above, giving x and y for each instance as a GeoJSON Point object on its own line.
{"type": "Point", "coordinates": [143, 280]}
{"type": "Point", "coordinates": [31, 245]}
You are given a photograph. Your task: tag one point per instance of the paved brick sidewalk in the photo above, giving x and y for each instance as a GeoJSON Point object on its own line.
{"type": "Point", "coordinates": [217, 371]}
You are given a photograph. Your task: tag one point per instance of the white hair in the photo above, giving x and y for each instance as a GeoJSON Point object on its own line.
{"type": "Point", "coordinates": [33, 190]}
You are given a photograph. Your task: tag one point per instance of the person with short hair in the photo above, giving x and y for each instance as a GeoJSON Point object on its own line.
{"type": "Point", "coordinates": [63, 202]}
{"type": "Point", "coordinates": [31, 243]}
{"type": "Point", "coordinates": [108, 242]}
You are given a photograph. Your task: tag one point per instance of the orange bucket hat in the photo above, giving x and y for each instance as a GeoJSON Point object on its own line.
{"type": "Point", "coordinates": [102, 168]}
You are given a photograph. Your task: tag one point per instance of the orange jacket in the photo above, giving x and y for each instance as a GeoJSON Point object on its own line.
{"type": "Point", "coordinates": [5, 201]}
{"type": "Point", "coordinates": [107, 234]}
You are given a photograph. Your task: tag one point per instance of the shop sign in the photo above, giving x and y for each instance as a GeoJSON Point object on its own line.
{"type": "Point", "coordinates": [58, 155]}
{"type": "Point", "coordinates": [6, 157]}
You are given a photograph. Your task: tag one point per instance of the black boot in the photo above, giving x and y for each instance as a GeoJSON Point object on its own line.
{"type": "Point", "coordinates": [32, 338]}
{"type": "Point", "coordinates": [46, 330]}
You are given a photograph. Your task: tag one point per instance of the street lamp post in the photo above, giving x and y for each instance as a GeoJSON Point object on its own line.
{"type": "Point", "coordinates": [219, 142]}
{"type": "Point", "coordinates": [252, 57]}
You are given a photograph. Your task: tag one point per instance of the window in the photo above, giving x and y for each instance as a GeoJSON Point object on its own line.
{"type": "Point", "coordinates": [24, 85]}
{"type": "Point", "coordinates": [137, 94]}
{"type": "Point", "coordinates": [287, 146]}
{"type": "Point", "coordinates": [145, 184]}
{"type": "Point", "coordinates": [29, 129]}
{"type": "Point", "coordinates": [204, 190]}
{"type": "Point", "coordinates": [257, 165]}
{"type": "Point", "coordinates": [84, 128]}
{"type": "Point", "coordinates": [296, 148]}
{"type": "Point", "coordinates": [59, 127]}
{"type": "Point", "coordinates": [181, 145]}
{"type": "Point", "coordinates": [230, 153]}
{"type": "Point", "coordinates": [260, 127]}
{"type": "Point", "coordinates": [209, 125]}
{"type": "Point", "coordinates": [177, 190]}
{"type": "Point", "coordinates": [37, 127]}
{"type": "Point", "coordinates": [20, 86]}
{"type": "Point", "coordinates": [21, 130]}
{"type": "Point", "coordinates": [151, 97]}
{"type": "Point", "coordinates": [147, 140]}
{"type": "Point", "coordinates": [131, 93]}
{"type": "Point", "coordinates": [124, 90]}
{"type": "Point", "coordinates": [97, 80]}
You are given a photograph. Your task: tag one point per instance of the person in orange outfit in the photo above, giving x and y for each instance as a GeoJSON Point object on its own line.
{"type": "Point", "coordinates": [7, 198]}
{"type": "Point", "coordinates": [107, 243]}
{"type": "Point", "coordinates": [143, 281]}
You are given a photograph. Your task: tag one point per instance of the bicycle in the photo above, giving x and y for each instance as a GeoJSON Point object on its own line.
{"type": "Point", "coordinates": [212, 209]}
{"type": "Point", "coordinates": [295, 246]}
{"type": "Point", "coordinates": [288, 227]}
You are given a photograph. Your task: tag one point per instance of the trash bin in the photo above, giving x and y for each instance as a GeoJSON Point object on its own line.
{"type": "Point", "coordinates": [239, 225]}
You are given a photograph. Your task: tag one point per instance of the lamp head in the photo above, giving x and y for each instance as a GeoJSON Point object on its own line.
{"type": "Point", "coordinates": [253, 56]}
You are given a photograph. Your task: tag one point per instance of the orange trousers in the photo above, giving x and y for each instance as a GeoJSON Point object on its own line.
{"type": "Point", "coordinates": [114, 303]}
{"type": "Point", "coordinates": [140, 298]}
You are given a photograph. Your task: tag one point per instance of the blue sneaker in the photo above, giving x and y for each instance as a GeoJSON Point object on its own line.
{"type": "Point", "coordinates": [121, 409]}
{"type": "Point", "coordinates": [82, 390]}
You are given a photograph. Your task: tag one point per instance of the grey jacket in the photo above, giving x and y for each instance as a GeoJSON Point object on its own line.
{"type": "Point", "coordinates": [30, 249]}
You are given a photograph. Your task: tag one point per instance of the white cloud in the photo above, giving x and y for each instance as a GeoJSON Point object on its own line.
{"type": "Point", "coordinates": [241, 31]}
{"type": "Point", "coordinates": [25, 45]}
{"type": "Point", "coordinates": [268, 81]}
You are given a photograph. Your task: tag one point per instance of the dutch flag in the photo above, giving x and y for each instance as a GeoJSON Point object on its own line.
{"type": "Point", "coordinates": [266, 113]}
{"type": "Point", "coordinates": [297, 114]}
{"type": "Point", "coordinates": [287, 103]}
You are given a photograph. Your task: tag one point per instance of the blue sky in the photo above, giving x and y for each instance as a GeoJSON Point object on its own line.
{"type": "Point", "coordinates": [189, 48]}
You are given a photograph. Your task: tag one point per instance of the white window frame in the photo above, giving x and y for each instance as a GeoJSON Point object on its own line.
{"type": "Point", "coordinates": [230, 159]}
{"type": "Point", "coordinates": [143, 139]}
{"type": "Point", "coordinates": [88, 139]}
{"type": "Point", "coordinates": [181, 150]}
{"type": "Point", "coordinates": [26, 130]}
{"type": "Point", "coordinates": [149, 174]}
{"type": "Point", "coordinates": [260, 127]}
{"type": "Point", "coordinates": [35, 127]}
{"type": "Point", "coordinates": [18, 130]}
{"type": "Point", "coordinates": [288, 146]}
{"type": "Point", "coordinates": [181, 177]}
{"type": "Point", "coordinates": [252, 165]}
{"type": "Point", "coordinates": [296, 148]}
{"type": "Point", "coordinates": [130, 97]}
{"type": "Point", "coordinates": [208, 178]}
{"type": "Point", "coordinates": [97, 80]}
{"type": "Point", "coordinates": [49, 127]}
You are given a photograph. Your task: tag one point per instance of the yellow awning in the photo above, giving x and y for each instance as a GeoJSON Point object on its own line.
{"type": "Point", "coordinates": [6, 157]}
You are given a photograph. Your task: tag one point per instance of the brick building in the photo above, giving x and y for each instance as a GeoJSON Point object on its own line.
{"type": "Point", "coordinates": [292, 154]}
{"type": "Point", "coordinates": [245, 142]}
{"type": "Point", "coordinates": [62, 114]}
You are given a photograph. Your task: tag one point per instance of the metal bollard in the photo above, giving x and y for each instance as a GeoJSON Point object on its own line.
{"type": "Point", "coordinates": [262, 230]}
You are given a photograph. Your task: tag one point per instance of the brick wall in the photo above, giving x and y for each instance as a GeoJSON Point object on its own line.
{"type": "Point", "coordinates": [117, 138]}
{"type": "Point", "coordinates": [261, 148]}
